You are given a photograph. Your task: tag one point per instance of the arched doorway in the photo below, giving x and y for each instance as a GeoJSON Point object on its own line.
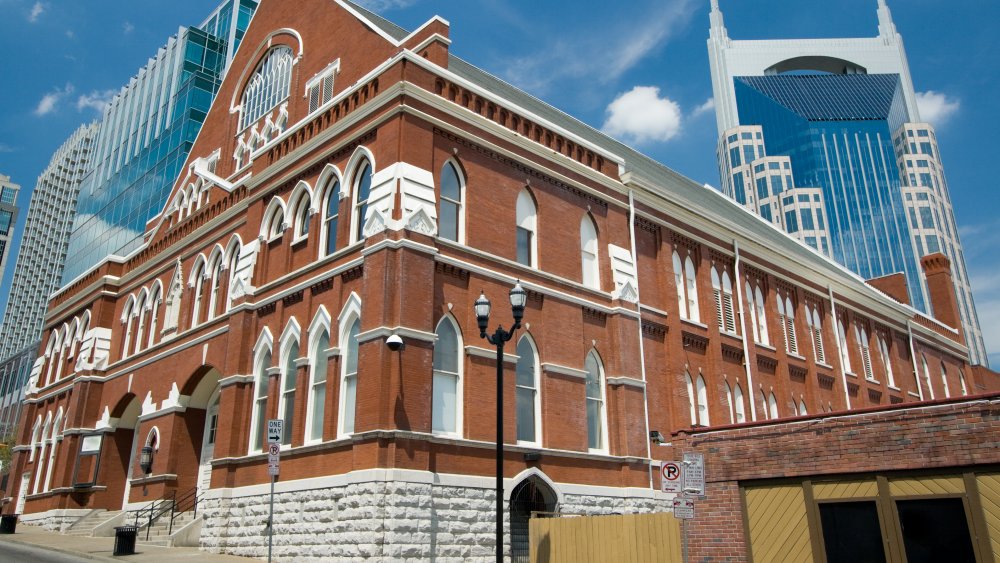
{"type": "Point", "coordinates": [127, 432]}
{"type": "Point", "coordinates": [208, 444]}
{"type": "Point", "coordinates": [530, 495]}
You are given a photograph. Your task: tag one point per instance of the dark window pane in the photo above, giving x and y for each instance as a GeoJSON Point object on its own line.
{"type": "Point", "coordinates": [448, 222]}
{"type": "Point", "coordinates": [851, 532]}
{"type": "Point", "coordinates": [935, 530]}
{"type": "Point", "coordinates": [523, 246]}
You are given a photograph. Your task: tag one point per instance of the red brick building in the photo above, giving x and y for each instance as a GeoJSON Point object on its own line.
{"type": "Point", "coordinates": [355, 181]}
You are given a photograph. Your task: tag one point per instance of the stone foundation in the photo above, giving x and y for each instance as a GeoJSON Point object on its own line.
{"type": "Point", "coordinates": [54, 520]}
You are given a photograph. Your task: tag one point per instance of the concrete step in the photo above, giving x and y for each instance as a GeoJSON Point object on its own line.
{"type": "Point", "coordinates": [160, 543]}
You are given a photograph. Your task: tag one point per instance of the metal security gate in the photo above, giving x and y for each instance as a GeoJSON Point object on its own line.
{"type": "Point", "coordinates": [527, 497]}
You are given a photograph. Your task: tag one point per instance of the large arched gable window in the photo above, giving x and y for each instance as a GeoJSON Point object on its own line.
{"type": "Point", "coordinates": [588, 252]}
{"type": "Point", "coordinates": [527, 229]}
{"type": "Point", "coordinates": [350, 327]}
{"type": "Point", "coordinates": [261, 369]}
{"type": "Point", "coordinates": [361, 193]}
{"type": "Point", "coordinates": [451, 216]}
{"type": "Point", "coordinates": [446, 399]}
{"type": "Point", "coordinates": [329, 197]}
{"type": "Point", "coordinates": [301, 210]}
{"type": "Point", "coordinates": [597, 419]}
{"type": "Point", "coordinates": [319, 345]}
{"type": "Point", "coordinates": [269, 85]}
{"type": "Point", "coordinates": [528, 408]}
{"type": "Point", "coordinates": [289, 349]}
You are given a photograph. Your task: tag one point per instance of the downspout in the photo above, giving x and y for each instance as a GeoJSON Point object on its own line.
{"type": "Point", "coordinates": [642, 352]}
{"type": "Point", "coordinates": [840, 345]}
{"type": "Point", "coordinates": [913, 359]}
{"type": "Point", "coordinates": [743, 332]}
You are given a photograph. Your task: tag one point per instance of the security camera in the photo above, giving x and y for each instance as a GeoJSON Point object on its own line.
{"type": "Point", "coordinates": [394, 342]}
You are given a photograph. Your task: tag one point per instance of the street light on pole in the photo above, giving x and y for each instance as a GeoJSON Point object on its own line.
{"type": "Point", "coordinates": [518, 297]}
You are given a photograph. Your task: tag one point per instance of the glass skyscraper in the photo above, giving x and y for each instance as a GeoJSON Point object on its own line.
{"type": "Point", "coordinates": [844, 113]}
{"type": "Point", "coordinates": [146, 134]}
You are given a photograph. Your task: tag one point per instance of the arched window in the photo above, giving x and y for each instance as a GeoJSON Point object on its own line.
{"type": "Point", "coordinates": [741, 415]}
{"type": "Point", "coordinates": [331, 206]}
{"type": "Point", "coordinates": [758, 303]}
{"type": "Point", "coordinates": [318, 361]}
{"type": "Point", "coordinates": [45, 436]}
{"type": "Point", "coordinates": [588, 253]}
{"type": "Point", "coordinates": [763, 403]}
{"type": "Point", "coordinates": [961, 380]}
{"type": "Point", "coordinates": [597, 422]}
{"type": "Point", "coordinates": [691, 290]}
{"type": "Point", "coordinates": [722, 292]}
{"type": "Point", "coordinates": [927, 376]}
{"type": "Point", "coordinates": [362, 193]}
{"type": "Point", "coordinates": [141, 306]}
{"type": "Point", "coordinates": [349, 375]}
{"type": "Point", "coordinates": [866, 357]}
{"type": "Point", "coordinates": [886, 361]}
{"type": "Point", "coordinates": [702, 395]}
{"type": "Point", "coordinates": [55, 436]}
{"type": "Point", "coordinates": [845, 355]}
{"type": "Point", "coordinates": [786, 316]}
{"type": "Point", "coordinates": [446, 399]}
{"type": "Point", "coordinates": [802, 407]}
{"type": "Point", "coordinates": [216, 268]}
{"type": "Point", "coordinates": [302, 214]}
{"type": "Point", "coordinates": [730, 404]}
{"type": "Point", "coordinates": [528, 403]}
{"type": "Point", "coordinates": [289, 378]}
{"type": "Point", "coordinates": [527, 224]}
{"type": "Point", "coordinates": [772, 405]}
{"type": "Point", "coordinates": [274, 220]}
{"type": "Point", "coordinates": [450, 216]}
{"type": "Point", "coordinates": [155, 297]}
{"type": "Point", "coordinates": [127, 315]}
{"type": "Point", "coordinates": [261, 365]}
{"type": "Point", "coordinates": [268, 86]}
{"type": "Point", "coordinates": [944, 380]}
{"type": "Point", "coordinates": [816, 330]}
{"type": "Point", "coordinates": [173, 311]}
{"type": "Point", "coordinates": [36, 432]}
{"type": "Point", "coordinates": [232, 261]}
{"type": "Point", "coordinates": [680, 284]}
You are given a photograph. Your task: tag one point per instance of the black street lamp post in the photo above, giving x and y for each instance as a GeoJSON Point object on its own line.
{"type": "Point", "coordinates": [518, 297]}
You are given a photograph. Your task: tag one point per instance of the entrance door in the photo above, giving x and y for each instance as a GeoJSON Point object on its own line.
{"type": "Point", "coordinates": [131, 465]}
{"type": "Point", "coordinates": [22, 493]}
{"type": "Point", "coordinates": [208, 446]}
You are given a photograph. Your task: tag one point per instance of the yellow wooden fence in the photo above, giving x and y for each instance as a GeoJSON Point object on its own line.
{"type": "Point", "coordinates": [630, 537]}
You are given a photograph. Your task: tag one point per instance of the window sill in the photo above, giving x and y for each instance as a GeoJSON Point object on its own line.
{"type": "Point", "coordinates": [796, 356]}
{"type": "Point", "coordinates": [694, 323]}
{"type": "Point", "coordinates": [850, 374]}
{"type": "Point", "coordinates": [873, 380]}
{"type": "Point", "coordinates": [893, 388]}
{"type": "Point", "coordinates": [766, 346]}
{"type": "Point", "coordinates": [824, 365]}
{"type": "Point", "coordinates": [300, 240]}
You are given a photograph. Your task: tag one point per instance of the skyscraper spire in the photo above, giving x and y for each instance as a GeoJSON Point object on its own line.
{"type": "Point", "coordinates": [886, 29]}
{"type": "Point", "coordinates": [718, 29]}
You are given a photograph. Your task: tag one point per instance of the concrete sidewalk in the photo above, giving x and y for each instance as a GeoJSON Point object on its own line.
{"type": "Point", "coordinates": [100, 549]}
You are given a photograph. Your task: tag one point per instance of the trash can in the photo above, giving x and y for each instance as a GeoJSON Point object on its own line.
{"type": "Point", "coordinates": [7, 523]}
{"type": "Point", "coordinates": [125, 540]}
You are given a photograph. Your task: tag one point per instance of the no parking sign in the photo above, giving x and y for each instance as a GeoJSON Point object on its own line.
{"type": "Point", "coordinates": [671, 477]}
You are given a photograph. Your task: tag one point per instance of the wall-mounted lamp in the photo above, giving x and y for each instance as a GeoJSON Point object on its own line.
{"type": "Point", "coordinates": [146, 459]}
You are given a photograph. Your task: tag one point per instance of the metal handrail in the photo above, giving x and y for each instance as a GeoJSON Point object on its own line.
{"type": "Point", "coordinates": [181, 505]}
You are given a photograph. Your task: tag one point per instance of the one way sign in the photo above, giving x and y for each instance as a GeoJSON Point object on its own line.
{"type": "Point", "coordinates": [671, 477]}
{"type": "Point", "coordinates": [274, 431]}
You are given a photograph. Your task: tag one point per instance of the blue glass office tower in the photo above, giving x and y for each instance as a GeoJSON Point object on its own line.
{"type": "Point", "coordinates": [838, 132]}
{"type": "Point", "coordinates": [843, 111]}
{"type": "Point", "coordinates": [146, 134]}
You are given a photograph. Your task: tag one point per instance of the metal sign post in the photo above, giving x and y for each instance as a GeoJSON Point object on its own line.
{"type": "Point", "coordinates": [274, 432]}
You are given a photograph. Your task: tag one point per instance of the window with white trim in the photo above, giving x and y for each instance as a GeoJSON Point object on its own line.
{"type": "Point", "coordinates": [331, 208]}
{"type": "Point", "coordinates": [802, 407]}
{"type": "Point", "coordinates": [763, 403]}
{"type": "Point", "coordinates": [446, 395]}
{"type": "Point", "coordinates": [289, 377]}
{"type": "Point", "coordinates": [861, 334]}
{"type": "Point", "coordinates": [944, 380]}
{"type": "Point", "coordinates": [319, 89]}
{"type": "Point", "coordinates": [961, 380]}
{"type": "Point", "coordinates": [786, 317]}
{"type": "Point", "coordinates": [268, 87]}
{"type": "Point", "coordinates": [730, 402]}
{"type": "Point", "coordinates": [815, 324]}
{"type": "Point", "coordinates": [772, 405]}
{"type": "Point", "coordinates": [883, 349]}
{"type": "Point", "coordinates": [140, 312]}
{"type": "Point", "coordinates": [588, 252]}
{"type": "Point", "coordinates": [197, 280]}
{"type": "Point", "coordinates": [927, 376]}
{"type": "Point", "coordinates": [301, 215]}
{"type": "Point", "coordinates": [154, 304]}
{"type": "Point", "coordinates": [527, 386]}
{"type": "Point", "coordinates": [761, 316]}
{"type": "Point", "coordinates": [362, 193]}
{"type": "Point", "coordinates": [740, 408]}
{"type": "Point", "coordinates": [259, 417]}
{"type": "Point", "coordinates": [451, 220]}
{"type": "Point", "coordinates": [698, 399]}
{"type": "Point", "coordinates": [526, 230]}
{"type": "Point", "coordinates": [318, 362]}
{"type": "Point", "coordinates": [722, 292]}
{"type": "Point", "coordinates": [597, 422]}
{"type": "Point", "coordinates": [216, 284]}
{"type": "Point", "coordinates": [845, 354]}
{"type": "Point", "coordinates": [687, 287]}
{"type": "Point", "coordinates": [349, 376]}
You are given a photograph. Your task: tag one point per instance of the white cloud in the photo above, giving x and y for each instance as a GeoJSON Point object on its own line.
{"type": "Point", "coordinates": [936, 108]}
{"type": "Point", "coordinates": [128, 28]}
{"type": "Point", "coordinates": [96, 100]}
{"type": "Point", "coordinates": [70, 34]}
{"type": "Point", "coordinates": [642, 115]}
{"type": "Point", "coordinates": [600, 54]}
{"type": "Point", "coordinates": [51, 100]}
{"type": "Point", "coordinates": [706, 107]}
{"type": "Point", "coordinates": [379, 6]}
{"type": "Point", "coordinates": [6, 148]}
{"type": "Point", "coordinates": [36, 12]}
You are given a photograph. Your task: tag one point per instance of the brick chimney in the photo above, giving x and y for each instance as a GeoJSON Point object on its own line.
{"type": "Point", "coordinates": [941, 290]}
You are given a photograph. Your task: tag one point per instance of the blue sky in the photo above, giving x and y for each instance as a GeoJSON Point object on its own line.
{"type": "Point", "coordinates": [67, 57]}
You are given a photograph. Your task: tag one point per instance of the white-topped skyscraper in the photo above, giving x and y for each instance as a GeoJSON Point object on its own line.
{"type": "Point", "coordinates": [844, 113]}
